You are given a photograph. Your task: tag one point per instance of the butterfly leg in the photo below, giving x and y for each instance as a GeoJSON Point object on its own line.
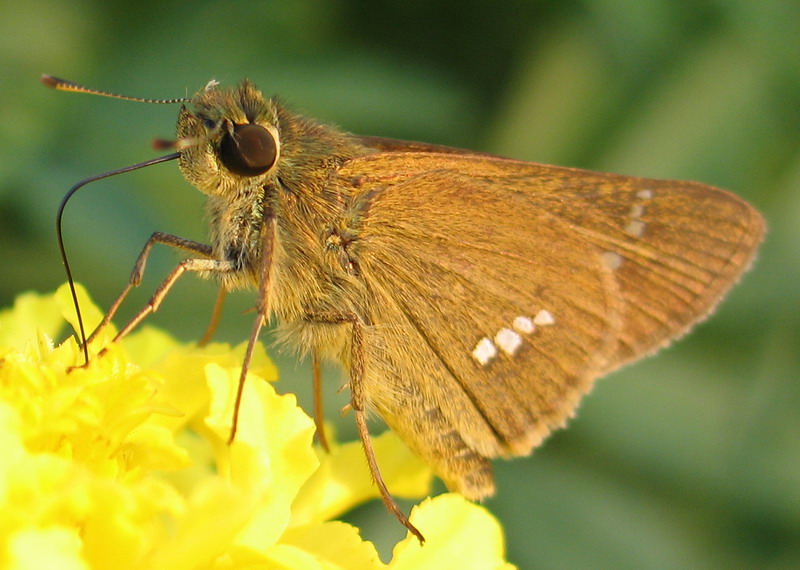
{"type": "Point", "coordinates": [259, 323]}
{"type": "Point", "coordinates": [358, 400]}
{"type": "Point", "coordinates": [262, 314]}
{"type": "Point", "coordinates": [316, 375]}
{"type": "Point", "coordinates": [192, 264]}
{"type": "Point", "coordinates": [138, 270]}
{"type": "Point", "coordinates": [212, 325]}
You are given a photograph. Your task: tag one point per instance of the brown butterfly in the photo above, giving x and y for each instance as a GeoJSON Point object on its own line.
{"type": "Point", "coordinates": [472, 299]}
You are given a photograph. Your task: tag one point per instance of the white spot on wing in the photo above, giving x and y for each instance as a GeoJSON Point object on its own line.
{"type": "Point", "coordinates": [484, 351]}
{"type": "Point", "coordinates": [523, 325]}
{"type": "Point", "coordinates": [635, 228]}
{"type": "Point", "coordinates": [636, 211]}
{"type": "Point", "coordinates": [544, 318]}
{"type": "Point", "coordinates": [508, 340]}
{"type": "Point", "coordinates": [645, 194]}
{"type": "Point", "coordinates": [612, 259]}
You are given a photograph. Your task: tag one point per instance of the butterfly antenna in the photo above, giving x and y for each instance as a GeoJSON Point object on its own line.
{"type": "Point", "coordinates": [65, 85]}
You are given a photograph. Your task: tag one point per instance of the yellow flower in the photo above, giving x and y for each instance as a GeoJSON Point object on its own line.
{"type": "Point", "coordinates": [123, 464]}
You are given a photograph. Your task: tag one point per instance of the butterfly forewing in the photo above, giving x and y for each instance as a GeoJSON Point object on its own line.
{"type": "Point", "coordinates": [675, 249]}
{"type": "Point", "coordinates": [544, 281]}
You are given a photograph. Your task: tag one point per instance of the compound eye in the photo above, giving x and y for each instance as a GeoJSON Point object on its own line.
{"type": "Point", "coordinates": [249, 150]}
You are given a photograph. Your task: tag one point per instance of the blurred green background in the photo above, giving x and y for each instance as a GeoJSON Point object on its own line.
{"type": "Point", "coordinates": [690, 459]}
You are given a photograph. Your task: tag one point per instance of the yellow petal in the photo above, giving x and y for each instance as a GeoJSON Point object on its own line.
{"type": "Point", "coordinates": [31, 313]}
{"type": "Point", "coordinates": [271, 454]}
{"type": "Point", "coordinates": [458, 534]}
{"type": "Point", "coordinates": [214, 514]}
{"type": "Point", "coordinates": [45, 548]}
{"type": "Point", "coordinates": [90, 314]}
{"type": "Point", "coordinates": [93, 471]}
{"type": "Point", "coordinates": [333, 545]}
{"type": "Point", "coordinates": [343, 480]}
{"type": "Point", "coordinates": [153, 446]}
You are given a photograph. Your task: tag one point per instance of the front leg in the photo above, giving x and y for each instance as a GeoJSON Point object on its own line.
{"type": "Point", "coordinates": [192, 264]}
{"type": "Point", "coordinates": [135, 278]}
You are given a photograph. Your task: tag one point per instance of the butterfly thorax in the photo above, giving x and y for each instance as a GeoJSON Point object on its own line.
{"type": "Point", "coordinates": [292, 204]}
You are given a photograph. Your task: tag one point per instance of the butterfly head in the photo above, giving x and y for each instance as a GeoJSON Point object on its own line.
{"type": "Point", "coordinates": [227, 137]}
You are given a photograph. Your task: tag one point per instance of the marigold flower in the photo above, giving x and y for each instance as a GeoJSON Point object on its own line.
{"type": "Point", "coordinates": [124, 463]}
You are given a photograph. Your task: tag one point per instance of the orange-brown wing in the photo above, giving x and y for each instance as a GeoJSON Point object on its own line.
{"type": "Point", "coordinates": [499, 290]}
